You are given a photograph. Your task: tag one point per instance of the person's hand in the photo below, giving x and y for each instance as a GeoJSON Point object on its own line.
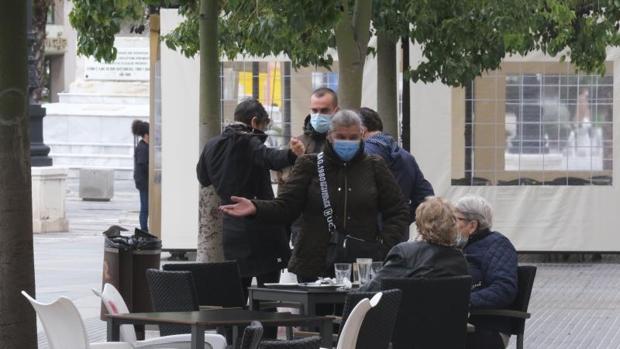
{"type": "Point", "coordinates": [297, 147]}
{"type": "Point", "coordinates": [242, 207]}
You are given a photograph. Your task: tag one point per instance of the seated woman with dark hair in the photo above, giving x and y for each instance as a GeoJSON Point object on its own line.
{"type": "Point", "coordinates": [492, 261]}
{"type": "Point", "coordinates": [432, 255]}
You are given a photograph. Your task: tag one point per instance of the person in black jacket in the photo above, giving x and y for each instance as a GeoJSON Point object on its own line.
{"type": "Point", "coordinates": [237, 163]}
{"type": "Point", "coordinates": [141, 169]}
{"type": "Point", "coordinates": [493, 263]}
{"type": "Point", "coordinates": [401, 163]}
{"type": "Point", "coordinates": [432, 255]}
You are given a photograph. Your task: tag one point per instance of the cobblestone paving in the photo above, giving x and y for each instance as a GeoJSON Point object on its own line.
{"type": "Point", "coordinates": [575, 305]}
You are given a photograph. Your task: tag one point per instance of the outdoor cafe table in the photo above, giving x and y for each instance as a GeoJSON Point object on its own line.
{"type": "Point", "coordinates": [203, 319]}
{"type": "Point", "coordinates": [307, 297]}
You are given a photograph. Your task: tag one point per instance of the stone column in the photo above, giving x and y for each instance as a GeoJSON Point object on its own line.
{"type": "Point", "coordinates": [48, 200]}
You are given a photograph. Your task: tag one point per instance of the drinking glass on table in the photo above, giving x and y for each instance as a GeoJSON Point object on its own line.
{"type": "Point", "coordinates": [363, 269]}
{"type": "Point", "coordinates": [374, 268]}
{"type": "Point", "coordinates": [343, 271]}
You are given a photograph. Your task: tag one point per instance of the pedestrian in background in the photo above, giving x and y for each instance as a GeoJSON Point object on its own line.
{"type": "Point", "coordinates": [141, 168]}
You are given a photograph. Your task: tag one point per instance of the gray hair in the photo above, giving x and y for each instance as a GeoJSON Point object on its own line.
{"type": "Point", "coordinates": [345, 118]}
{"type": "Point", "coordinates": [476, 208]}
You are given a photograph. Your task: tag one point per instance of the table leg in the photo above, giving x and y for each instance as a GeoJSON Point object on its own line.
{"type": "Point", "coordinates": [310, 306]}
{"type": "Point", "coordinates": [326, 333]}
{"type": "Point", "coordinates": [235, 337]}
{"type": "Point", "coordinates": [198, 337]}
{"type": "Point", "coordinates": [289, 332]}
{"type": "Point", "coordinates": [113, 330]}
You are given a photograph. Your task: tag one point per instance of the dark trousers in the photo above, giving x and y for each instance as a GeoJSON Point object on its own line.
{"type": "Point", "coordinates": [274, 276]}
{"type": "Point", "coordinates": [144, 209]}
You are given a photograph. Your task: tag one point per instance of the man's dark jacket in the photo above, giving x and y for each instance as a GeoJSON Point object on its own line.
{"type": "Point", "coordinates": [358, 190]}
{"type": "Point", "coordinates": [419, 259]}
{"type": "Point", "coordinates": [403, 166]}
{"type": "Point", "coordinates": [237, 163]}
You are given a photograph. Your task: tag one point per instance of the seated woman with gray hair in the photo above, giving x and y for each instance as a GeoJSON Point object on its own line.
{"type": "Point", "coordinates": [432, 254]}
{"type": "Point", "coordinates": [339, 190]}
{"type": "Point", "coordinates": [492, 263]}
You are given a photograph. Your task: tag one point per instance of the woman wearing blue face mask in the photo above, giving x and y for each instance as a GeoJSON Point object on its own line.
{"type": "Point", "coordinates": [340, 191]}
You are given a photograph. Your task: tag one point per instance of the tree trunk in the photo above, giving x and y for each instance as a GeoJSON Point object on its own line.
{"type": "Point", "coordinates": [17, 319]}
{"type": "Point", "coordinates": [210, 226]}
{"type": "Point", "coordinates": [352, 35]}
{"type": "Point", "coordinates": [210, 236]}
{"type": "Point", "coordinates": [387, 85]}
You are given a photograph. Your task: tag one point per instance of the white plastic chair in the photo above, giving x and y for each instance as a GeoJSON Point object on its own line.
{"type": "Point", "coordinates": [64, 327]}
{"type": "Point", "coordinates": [350, 331]}
{"type": "Point", "coordinates": [115, 304]}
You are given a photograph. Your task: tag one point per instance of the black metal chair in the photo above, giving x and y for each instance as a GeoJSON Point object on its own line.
{"type": "Point", "coordinates": [172, 291]}
{"type": "Point", "coordinates": [313, 342]}
{"type": "Point", "coordinates": [378, 326]}
{"type": "Point", "coordinates": [217, 284]}
{"type": "Point", "coordinates": [252, 336]}
{"type": "Point", "coordinates": [517, 312]}
{"type": "Point", "coordinates": [433, 312]}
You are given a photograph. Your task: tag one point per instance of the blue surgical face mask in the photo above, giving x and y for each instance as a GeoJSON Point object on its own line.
{"type": "Point", "coordinates": [346, 150]}
{"type": "Point", "coordinates": [320, 122]}
{"type": "Point", "coordinates": [461, 240]}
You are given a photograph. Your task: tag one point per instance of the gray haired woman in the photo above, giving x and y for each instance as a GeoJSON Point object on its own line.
{"type": "Point", "coordinates": [492, 263]}
{"type": "Point", "coordinates": [360, 198]}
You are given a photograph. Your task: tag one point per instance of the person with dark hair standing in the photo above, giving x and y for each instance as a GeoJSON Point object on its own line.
{"type": "Point", "coordinates": [237, 163]}
{"type": "Point", "coordinates": [141, 169]}
{"type": "Point", "coordinates": [402, 164]}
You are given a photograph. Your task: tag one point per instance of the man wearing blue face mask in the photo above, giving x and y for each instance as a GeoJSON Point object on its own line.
{"type": "Point", "coordinates": [323, 105]}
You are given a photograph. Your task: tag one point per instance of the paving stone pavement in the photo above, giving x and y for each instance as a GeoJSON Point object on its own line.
{"type": "Point", "coordinates": [573, 305]}
{"type": "Point", "coordinates": [70, 263]}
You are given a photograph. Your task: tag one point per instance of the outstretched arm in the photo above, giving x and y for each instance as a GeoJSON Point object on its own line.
{"type": "Point", "coordinates": [242, 207]}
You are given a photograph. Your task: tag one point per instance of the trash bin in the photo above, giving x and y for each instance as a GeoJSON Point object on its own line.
{"type": "Point", "coordinates": [125, 261]}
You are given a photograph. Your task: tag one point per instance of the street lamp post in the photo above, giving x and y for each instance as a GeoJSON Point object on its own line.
{"type": "Point", "coordinates": [38, 150]}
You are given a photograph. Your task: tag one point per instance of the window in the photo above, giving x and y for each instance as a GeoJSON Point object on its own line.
{"type": "Point", "coordinates": [537, 123]}
{"type": "Point", "coordinates": [325, 79]}
{"type": "Point", "coordinates": [269, 82]}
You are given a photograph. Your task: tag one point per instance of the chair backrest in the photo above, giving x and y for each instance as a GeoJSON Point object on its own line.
{"type": "Point", "coordinates": [252, 336]}
{"type": "Point", "coordinates": [62, 322]}
{"type": "Point", "coordinates": [216, 283]}
{"type": "Point", "coordinates": [525, 282]}
{"type": "Point", "coordinates": [378, 325]}
{"type": "Point", "coordinates": [172, 291]}
{"type": "Point", "coordinates": [433, 312]}
{"type": "Point", "coordinates": [115, 304]}
{"type": "Point", "coordinates": [350, 330]}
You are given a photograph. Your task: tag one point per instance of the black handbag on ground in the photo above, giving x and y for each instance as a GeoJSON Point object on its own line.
{"type": "Point", "coordinates": [344, 248]}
